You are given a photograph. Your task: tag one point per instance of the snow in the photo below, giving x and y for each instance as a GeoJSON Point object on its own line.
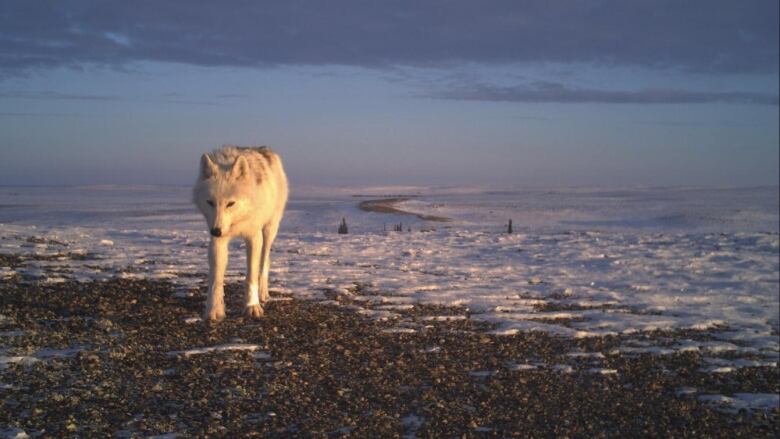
{"type": "Point", "coordinates": [722, 365]}
{"type": "Point", "coordinates": [586, 355]}
{"type": "Point", "coordinates": [261, 356]}
{"type": "Point", "coordinates": [483, 373]}
{"type": "Point", "coordinates": [402, 307]}
{"type": "Point", "coordinates": [399, 331]}
{"type": "Point", "coordinates": [13, 433]}
{"type": "Point", "coordinates": [563, 368]}
{"type": "Point", "coordinates": [40, 355]}
{"type": "Point", "coordinates": [685, 391]}
{"type": "Point", "coordinates": [411, 423]}
{"type": "Point", "coordinates": [45, 354]}
{"type": "Point", "coordinates": [218, 348]}
{"type": "Point", "coordinates": [633, 350]}
{"type": "Point", "coordinates": [602, 371]}
{"type": "Point", "coordinates": [24, 360]}
{"type": "Point", "coordinates": [444, 318]}
{"type": "Point", "coordinates": [378, 315]}
{"type": "Point", "coordinates": [742, 401]}
{"type": "Point", "coordinates": [582, 263]}
{"type": "Point", "coordinates": [521, 367]}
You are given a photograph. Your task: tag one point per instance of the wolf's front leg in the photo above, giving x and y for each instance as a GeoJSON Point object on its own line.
{"type": "Point", "coordinates": [253, 248]}
{"type": "Point", "coordinates": [218, 259]}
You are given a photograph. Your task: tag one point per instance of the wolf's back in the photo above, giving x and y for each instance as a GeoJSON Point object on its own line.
{"type": "Point", "coordinates": [263, 161]}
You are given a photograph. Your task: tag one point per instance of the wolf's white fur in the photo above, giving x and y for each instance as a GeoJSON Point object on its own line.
{"type": "Point", "coordinates": [248, 190]}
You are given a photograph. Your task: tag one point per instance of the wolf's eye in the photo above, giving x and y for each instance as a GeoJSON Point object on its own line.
{"type": "Point", "coordinates": [211, 203]}
{"type": "Point", "coordinates": [231, 203]}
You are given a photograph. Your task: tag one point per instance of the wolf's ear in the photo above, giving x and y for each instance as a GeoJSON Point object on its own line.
{"type": "Point", "coordinates": [207, 168]}
{"type": "Point", "coordinates": [240, 168]}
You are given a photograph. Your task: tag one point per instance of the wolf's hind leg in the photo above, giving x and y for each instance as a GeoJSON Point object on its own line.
{"type": "Point", "coordinates": [269, 235]}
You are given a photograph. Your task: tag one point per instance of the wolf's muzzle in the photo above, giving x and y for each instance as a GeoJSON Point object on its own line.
{"type": "Point", "coordinates": [216, 231]}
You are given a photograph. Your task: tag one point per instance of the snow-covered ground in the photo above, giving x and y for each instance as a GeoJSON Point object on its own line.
{"type": "Point", "coordinates": [581, 263]}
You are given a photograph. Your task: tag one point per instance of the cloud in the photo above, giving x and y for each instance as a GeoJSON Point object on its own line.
{"type": "Point", "coordinates": [57, 96]}
{"type": "Point", "coordinates": [705, 35]}
{"type": "Point", "coordinates": [26, 114]}
{"type": "Point", "coordinates": [549, 92]}
{"type": "Point", "coordinates": [168, 98]}
{"type": "Point", "coordinates": [232, 96]}
{"type": "Point", "coordinates": [702, 124]}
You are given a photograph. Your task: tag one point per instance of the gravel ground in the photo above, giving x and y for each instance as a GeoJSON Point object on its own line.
{"type": "Point", "coordinates": [103, 359]}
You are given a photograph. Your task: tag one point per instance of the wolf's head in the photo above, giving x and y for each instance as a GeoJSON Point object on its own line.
{"type": "Point", "coordinates": [223, 193]}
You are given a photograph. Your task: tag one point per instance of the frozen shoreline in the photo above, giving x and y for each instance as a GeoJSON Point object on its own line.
{"type": "Point", "coordinates": [572, 282]}
{"type": "Point", "coordinates": [572, 285]}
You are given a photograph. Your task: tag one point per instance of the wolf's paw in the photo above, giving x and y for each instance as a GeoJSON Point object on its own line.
{"type": "Point", "coordinates": [214, 315]}
{"type": "Point", "coordinates": [254, 311]}
{"type": "Point", "coordinates": [264, 296]}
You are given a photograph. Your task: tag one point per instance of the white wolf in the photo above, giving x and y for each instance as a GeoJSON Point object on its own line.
{"type": "Point", "coordinates": [242, 193]}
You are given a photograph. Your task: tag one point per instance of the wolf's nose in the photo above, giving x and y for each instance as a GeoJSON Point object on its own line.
{"type": "Point", "coordinates": [216, 231]}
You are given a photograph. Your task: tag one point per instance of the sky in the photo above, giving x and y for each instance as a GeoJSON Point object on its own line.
{"type": "Point", "coordinates": [358, 92]}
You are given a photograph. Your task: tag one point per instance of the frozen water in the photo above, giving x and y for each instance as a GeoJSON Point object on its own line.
{"type": "Point", "coordinates": [581, 263]}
